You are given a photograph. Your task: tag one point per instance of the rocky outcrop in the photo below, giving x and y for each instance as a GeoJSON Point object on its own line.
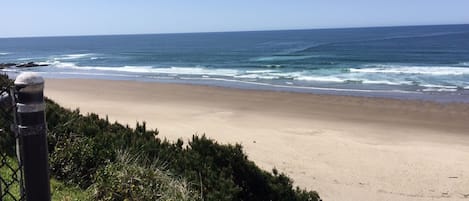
{"type": "Point", "coordinates": [6, 65]}
{"type": "Point", "coordinates": [30, 64]}
{"type": "Point", "coordinates": [24, 65]}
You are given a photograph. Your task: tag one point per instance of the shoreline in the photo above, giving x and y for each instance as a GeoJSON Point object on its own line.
{"type": "Point", "coordinates": [346, 148]}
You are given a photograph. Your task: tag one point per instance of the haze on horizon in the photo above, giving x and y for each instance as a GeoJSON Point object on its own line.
{"type": "Point", "coordinates": [25, 18]}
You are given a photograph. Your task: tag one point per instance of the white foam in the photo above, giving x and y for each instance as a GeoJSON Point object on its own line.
{"type": "Point", "coordinates": [439, 90]}
{"type": "Point", "coordinates": [262, 71]}
{"type": "Point", "coordinates": [59, 64]}
{"type": "Point", "coordinates": [289, 75]}
{"type": "Point", "coordinates": [246, 75]}
{"type": "Point", "coordinates": [257, 76]}
{"type": "Point", "coordinates": [4, 53]}
{"type": "Point", "coordinates": [283, 58]}
{"type": "Point", "coordinates": [273, 66]}
{"type": "Point", "coordinates": [320, 78]}
{"type": "Point", "coordinates": [150, 69]}
{"type": "Point", "coordinates": [386, 82]}
{"type": "Point", "coordinates": [13, 69]}
{"type": "Point", "coordinates": [339, 78]}
{"type": "Point", "coordinates": [73, 56]}
{"type": "Point", "coordinates": [344, 79]}
{"type": "Point", "coordinates": [439, 86]}
{"type": "Point", "coordinates": [45, 63]}
{"type": "Point", "coordinates": [306, 87]}
{"type": "Point", "coordinates": [422, 70]}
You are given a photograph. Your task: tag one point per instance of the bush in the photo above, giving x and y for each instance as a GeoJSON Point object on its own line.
{"type": "Point", "coordinates": [7, 139]}
{"type": "Point", "coordinates": [227, 174]}
{"type": "Point", "coordinates": [76, 160]}
{"type": "Point", "coordinates": [128, 179]}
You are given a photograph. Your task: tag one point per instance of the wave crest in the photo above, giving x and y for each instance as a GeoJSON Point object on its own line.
{"type": "Point", "coordinates": [372, 75]}
{"type": "Point", "coordinates": [150, 69]}
{"type": "Point", "coordinates": [73, 56]}
{"type": "Point", "coordinates": [422, 70]}
{"type": "Point", "coordinates": [283, 58]}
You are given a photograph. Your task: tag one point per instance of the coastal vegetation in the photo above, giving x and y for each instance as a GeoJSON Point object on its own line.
{"type": "Point", "coordinates": [110, 161]}
{"type": "Point", "coordinates": [59, 190]}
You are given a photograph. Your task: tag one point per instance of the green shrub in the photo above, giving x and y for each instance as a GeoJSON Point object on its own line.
{"type": "Point", "coordinates": [128, 179]}
{"type": "Point", "coordinates": [75, 160]}
{"type": "Point", "coordinates": [227, 174]}
{"type": "Point", "coordinates": [7, 139]}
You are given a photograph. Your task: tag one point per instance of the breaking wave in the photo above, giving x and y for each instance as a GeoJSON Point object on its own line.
{"type": "Point", "coordinates": [283, 58]}
{"type": "Point", "coordinates": [422, 70]}
{"type": "Point", "coordinates": [418, 77]}
{"type": "Point", "coordinates": [150, 69]}
{"type": "Point", "coordinates": [74, 56]}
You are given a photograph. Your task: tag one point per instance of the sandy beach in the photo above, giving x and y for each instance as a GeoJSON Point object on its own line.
{"type": "Point", "coordinates": [346, 148]}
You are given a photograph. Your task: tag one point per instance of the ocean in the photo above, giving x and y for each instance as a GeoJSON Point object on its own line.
{"type": "Point", "coordinates": [413, 62]}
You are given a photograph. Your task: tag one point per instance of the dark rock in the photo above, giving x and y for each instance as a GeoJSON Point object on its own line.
{"type": "Point", "coordinates": [24, 65]}
{"type": "Point", "coordinates": [30, 64]}
{"type": "Point", "coordinates": [6, 65]}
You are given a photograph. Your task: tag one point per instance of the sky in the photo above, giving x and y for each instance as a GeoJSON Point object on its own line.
{"type": "Point", "coordinates": [23, 18]}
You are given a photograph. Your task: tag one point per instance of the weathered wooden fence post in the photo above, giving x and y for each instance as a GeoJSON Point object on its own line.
{"type": "Point", "coordinates": [31, 122]}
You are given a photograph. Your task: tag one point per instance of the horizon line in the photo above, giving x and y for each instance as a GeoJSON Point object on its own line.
{"type": "Point", "coordinates": [239, 31]}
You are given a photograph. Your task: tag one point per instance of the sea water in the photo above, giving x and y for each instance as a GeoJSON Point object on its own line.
{"type": "Point", "coordinates": [430, 62]}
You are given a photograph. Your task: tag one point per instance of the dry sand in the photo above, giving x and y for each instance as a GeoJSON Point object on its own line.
{"type": "Point", "coordinates": [346, 148]}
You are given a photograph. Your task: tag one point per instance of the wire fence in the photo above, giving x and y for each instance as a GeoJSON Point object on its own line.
{"type": "Point", "coordinates": [11, 174]}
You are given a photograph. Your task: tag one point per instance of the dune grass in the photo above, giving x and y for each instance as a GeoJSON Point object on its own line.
{"type": "Point", "coordinates": [132, 177]}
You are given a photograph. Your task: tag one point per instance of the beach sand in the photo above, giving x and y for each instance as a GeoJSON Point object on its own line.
{"type": "Point", "coordinates": [346, 148]}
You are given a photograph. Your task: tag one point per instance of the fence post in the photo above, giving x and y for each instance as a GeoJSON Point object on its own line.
{"type": "Point", "coordinates": [32, 135]}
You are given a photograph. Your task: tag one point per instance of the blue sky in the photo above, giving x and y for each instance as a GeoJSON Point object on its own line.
{"type": "Point", "coordinates": [96, 17]}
